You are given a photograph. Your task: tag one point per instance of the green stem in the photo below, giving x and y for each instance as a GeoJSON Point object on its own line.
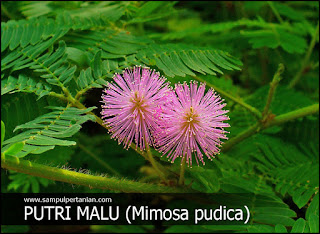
{"type": "Point", "coordinates": [306, 59]}
{"type": "Point", "coordinates": [273, 85]}
{"type": "Point", "coordinates": [103, 163]}
{"type": "Point", "coordinates": [182, 170]}
{"type": "Point", "coordinates": [72, 177]}
{"type": "Point", "coordinates": [240, 137]}
{"type": "Point", "coordinates": [238, 100]}
{"type": "Point", "coordinates": [80, 93]}
{"type": "Point", "coordinates": [60, 96]}
{"type": "Point", "coordinates": [154, 164]}
{"type": "Point", "coordinates": [309, 110]}
{"type": "Point", "coordinates": [276, 13]}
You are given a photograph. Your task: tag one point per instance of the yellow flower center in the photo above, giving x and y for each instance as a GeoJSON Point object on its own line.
{"type": "Point", "coordinates": [138, 102]}
{"type": "Point", "coordinates": [190, 118]}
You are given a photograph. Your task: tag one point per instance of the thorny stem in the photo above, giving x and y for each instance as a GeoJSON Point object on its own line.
{"type": "Point", "coordinates": [306, 59]}
{"type": "Point", "coordinates": [91, 181]}
{"type": "Point", "coordinates": [103, 163]}
{"type": "Point", "coordinates": [238, 100]}
{"type": "Point", "coordinates": [182, 170]}
{"type": "Point", "coordinates": [273, 85]}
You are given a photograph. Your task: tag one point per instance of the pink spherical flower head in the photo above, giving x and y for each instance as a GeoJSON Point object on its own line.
{"type": "Point", "coordinates": [192, 124]}
{"type": "Point", "coordinates": [131, 105]}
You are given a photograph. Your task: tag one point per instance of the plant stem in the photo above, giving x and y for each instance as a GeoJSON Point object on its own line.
{"type": "Point", "coordinates": [309, 110]}
{"type": "Point", "coordinates": [182, 170]}
{"type": "Point", "coordinates": [240, 137]}
{"type": "Point", "coordinates": [306, 59]}
{"type": "Point", "coordinates": [72, 177]}
{"type": "Point", "coordinates": [276, 13]}
{"type": "Point", "coordinates": [238, 100]}
{"type": "Point", "coordinates": [154, 164]}
{"type": "Point", "coordinates": [280, 119]}
{"type": "Point", "coordinates": [103, 163]}
{"type": "Point", "coordinates": [273, 85]}
{"type": "Point", "coordinates": [60, 96]}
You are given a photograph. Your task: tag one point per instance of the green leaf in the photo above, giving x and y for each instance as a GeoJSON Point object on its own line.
{"type": "Point", "coordinates": [313, 209]}
{"type": "Point", "coordinates": [24, 183]}
{"type": "Point", "coordinates": [274, 38]}
{"type": "Point", "coordinates": [260, 229]}
{"type": "Point", "coordinates": [296, 175]}
{"type": "Point", "coordinates": [96, 65]}
{"type": "Point", "coordinates": [314, 223]}
{"type": "Point", "coordinates": [288, 11]}
{"type": "Point", "coordinates": [77, 56]}
{"type": "Point", "coordinates": [280, 229]}
{"type": "Point", "coordinates": [53, 65]}
{"type": "Point", "coordinates": [113, 44]}
{"type": "Point", "coordinates": [149, 7]}
{"type": "Point", "coordinates": [279, 105]}
{"type": "Point", "coordinates": [25, 84]}
{"type": "Point", "coordinates": [44, 132]}
{"type": "Point", "coordinates": [25, 32]}
{"type": "Point", "coordinates": [264, 34]}
{"type": "Point", "coordinates": [179, 60]}
{"type": "Point", "coordinates": [14, 149]}
{"type": "Point", "coordinates": [204, 180]}
{"type": "Point", "coordinates": [153, 10]}
{"type": "Point", "coordinates": [95, 77]}
{"type": "Point", "coordinates": [3, 132]}
{"type": "Point", "coordinates": [299, 226]}
{"type": "Point", "coordinates": [35, 9]}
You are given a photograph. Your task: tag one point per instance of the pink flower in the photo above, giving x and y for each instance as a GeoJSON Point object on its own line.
{"type": "Point", "coordinates": [132, 103]}
{"type": "Point", "coordinates": [192, 123]}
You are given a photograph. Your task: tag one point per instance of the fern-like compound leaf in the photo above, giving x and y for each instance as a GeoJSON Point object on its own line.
{"type": "Point", "coordinates": [25, 84]}
{"type": "Point", "coordinates": [47, 131]}
{"type": "Point", "coordinates": [181, 60]}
